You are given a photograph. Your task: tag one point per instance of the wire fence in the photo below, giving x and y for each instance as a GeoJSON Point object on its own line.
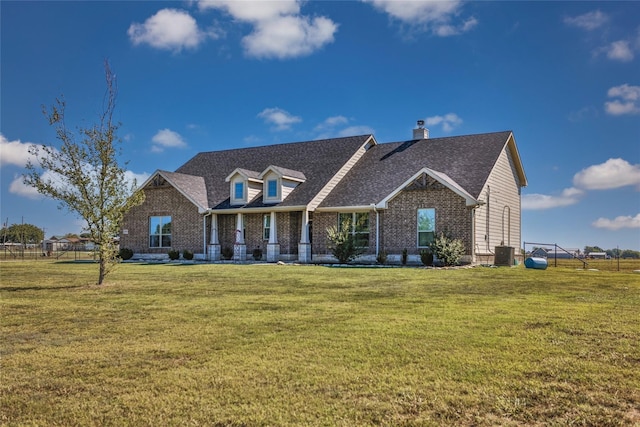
{"type": "Point", "coordinates": [558, 256]}
{"type": "Point", "coordinates": [20, 253]}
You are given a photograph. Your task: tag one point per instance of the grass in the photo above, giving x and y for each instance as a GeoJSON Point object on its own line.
{"type": "Point", "coordinates": [258, 345]}
{"type": "Point", "coordinates": [617, 265]}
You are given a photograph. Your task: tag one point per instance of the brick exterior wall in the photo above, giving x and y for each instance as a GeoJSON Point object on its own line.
{"type": "Point", "coordinates": [163, 200]}
{"type": "Point", "coordinates": [288, 224]}
{"type": "Point", "coordinates": [323, 220]}
{"type": "Point", "coordinates": [399, 223]}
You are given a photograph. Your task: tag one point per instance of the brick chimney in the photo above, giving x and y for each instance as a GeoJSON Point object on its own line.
{"type": "Point", "coordinates": [421, 132]}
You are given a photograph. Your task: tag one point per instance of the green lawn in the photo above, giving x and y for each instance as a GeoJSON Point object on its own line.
{"type": "Point", "coordinates": [268, 345]}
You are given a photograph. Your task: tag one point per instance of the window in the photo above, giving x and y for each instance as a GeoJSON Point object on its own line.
{"type": "Point", "coordinates": [272, 188]}
{"type": "Point", "coordinates": [359, 224]}
{"type": "Point", "coordinates": [238, 192]}
{"type": "Point", "coordinates": [160, 232]}
{"type": "Point", "coordinates": [426, 227]}
{"type": "Point", "coordinates": [266, 226]}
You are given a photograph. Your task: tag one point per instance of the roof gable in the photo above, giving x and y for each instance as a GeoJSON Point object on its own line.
{"type": "Point", "coordinates": [442, 178]}
{"type": "Point", "coordinates": [191, 187]}
{"type": "Point", "coordinates": [463, 163]}
{"type": "Point", "coordinates": [285, 173]}
{"type": "Point", "coordinates": [245, 174]}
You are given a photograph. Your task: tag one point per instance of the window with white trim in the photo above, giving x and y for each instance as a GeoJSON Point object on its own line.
{"type": "Point", "coordinates": [266, 226]}
{"type": "Point", "coordinates": [426, 227]}
{"type": "Point", "coordinates": [160, 232]}
{"type": "Point", "coordinates": [359, 225]}
{"type": "Point", "coordinates": [272, 188]}
{"type": "Point", "coordinates": [238, 190]}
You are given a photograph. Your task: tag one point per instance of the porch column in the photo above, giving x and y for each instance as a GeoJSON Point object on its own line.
{"type": "Point", "coordinates": [304, 247]}
{"type": "Point", "coordinates": [273, 247]}
{"type": "Point", "coordinates": [214, 244]}
{"type": "Point", "coordinates": [239, 248]}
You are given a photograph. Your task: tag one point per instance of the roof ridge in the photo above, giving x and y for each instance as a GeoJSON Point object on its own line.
{"type": "Point", "coordinates": [366, 135]}
{"type": "Point", "coordinates": [448, 137]}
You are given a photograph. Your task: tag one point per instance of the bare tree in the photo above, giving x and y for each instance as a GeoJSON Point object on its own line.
{"type": "Point", "coordinates": [84, 175]}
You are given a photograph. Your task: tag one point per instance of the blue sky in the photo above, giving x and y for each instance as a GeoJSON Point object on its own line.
{"type": "Point", "coordinates": [209, 75]}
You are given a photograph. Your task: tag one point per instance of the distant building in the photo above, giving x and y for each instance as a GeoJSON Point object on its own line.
{"type": "Point", "coordinates": [568, 253]}
{"type": "Point", "coordinates": [598, 255]}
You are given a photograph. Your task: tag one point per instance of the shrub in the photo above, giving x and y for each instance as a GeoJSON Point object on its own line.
{"type": "Point", "coordinates": [257, 254]}
{"type": "Point", "coordinates": [173, 254]}
{"type": "Point", "coordinates": [405, 256]}
{"type": "Point", "coordinates": [447, 249]}
{"type": "Point", "coordinates": [188, 255]}
{"type": "Point", "coordinates": [342, 243]}
{"type": "Point", "coordinates": [125, 254]}
{"type": "Point", "coordinates": [226, 252]}
{"type": "Point", "coordinates": [382, 258]}
{"type": "Point", "coordinates": [426, 256]}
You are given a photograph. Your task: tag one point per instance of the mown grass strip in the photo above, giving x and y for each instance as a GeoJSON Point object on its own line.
{"type": "Point", "coordinates": [305, 345]}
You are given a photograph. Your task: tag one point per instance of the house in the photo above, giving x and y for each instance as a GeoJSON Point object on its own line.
{"type": "Point", "coordinates": [558, 253]}
{"type": "Point", "coordinates": [59, 243]}
{"type": "Point", "coordinates": [598, 255]}
{"type": "Point", "coordinates": [283, 198]}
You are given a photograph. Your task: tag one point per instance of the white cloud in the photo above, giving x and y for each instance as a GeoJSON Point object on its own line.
{"type": "Point", "coordinates": [613, 173]}
{"type": "Point", "coordinates": [139, 178]}
{"type": "Point", "coordinates": [254, 11]}
{"type": "Point", "coordinates": [279, 30]}
{"type": "Point", "coordinates": [618, 108]}
{"type": "Point", "coordinates": [626, 92]}
{"type": "Point", "coordinates": [169, 29]}
{"type": "Point", "coordinates": [331, 122]}
{"type": "Point", "coordinates": [166, 138]}
{"type": "Point", "coordinates": [618, 222]}
{"type": "Point", "coordinates": [19, 188]}
{"type": "Point", "coordinates": [568, 197]}
{"type": "Point", "coordinates": [14, 152]}
{"type": "Point", "coordinates": [280, 118]}
{"type": "Point", "coordinates": [583, 114]}
{"type": "Point", "coordinates": [336, 120]}
{"type": "Point", "coordinates": [356, 130]}
{"type": "Point", "coordinates": [620, 51]}
{"type": "Point", "coordinates": [448, 121]}
{"type": "Point", "coordinates": [588, 21]}
{"type": "Point", "coordinates": [332, 127]}
{"type": "Point", "coordinates": [289, 36]}
{"type": "Point", "coordinates": [434, 15]}
{"type": "Point", "coordinates": [628, 102]}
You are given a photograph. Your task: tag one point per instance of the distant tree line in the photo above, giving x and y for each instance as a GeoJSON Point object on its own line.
{"type": "Point", "coordinates": [613, 253]}
{"type": "Point", "coordinates": [29, 234]}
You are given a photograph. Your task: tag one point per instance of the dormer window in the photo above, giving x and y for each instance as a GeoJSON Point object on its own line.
{"type": "Point", "coordinates": [272, 189]}
{"type": "Point", "coordinates": [238, 190]}
{"type": "Point", "coordinates": [279, 182]}
{"type": "Point", "coordinates": [244, 186]}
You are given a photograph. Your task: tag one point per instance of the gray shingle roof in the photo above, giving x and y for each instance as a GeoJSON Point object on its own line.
{"type": "Point", "coordinates": [289, 173]}
{"type": "Point", "coordinates": [191, 186]}
{"type": "Point", "coordinates": [468, 160]}
{"type": "Point", "coordinates": [317, 160]}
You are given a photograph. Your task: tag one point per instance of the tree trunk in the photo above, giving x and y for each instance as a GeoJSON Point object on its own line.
{"type": "Point", "coordinates": [103, 270]}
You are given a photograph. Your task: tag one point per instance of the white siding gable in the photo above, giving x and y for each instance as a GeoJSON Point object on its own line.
{"type": "Point", "coordinates": [497, 222]}
{"type": "Point", "coordinates": [285, 180]}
